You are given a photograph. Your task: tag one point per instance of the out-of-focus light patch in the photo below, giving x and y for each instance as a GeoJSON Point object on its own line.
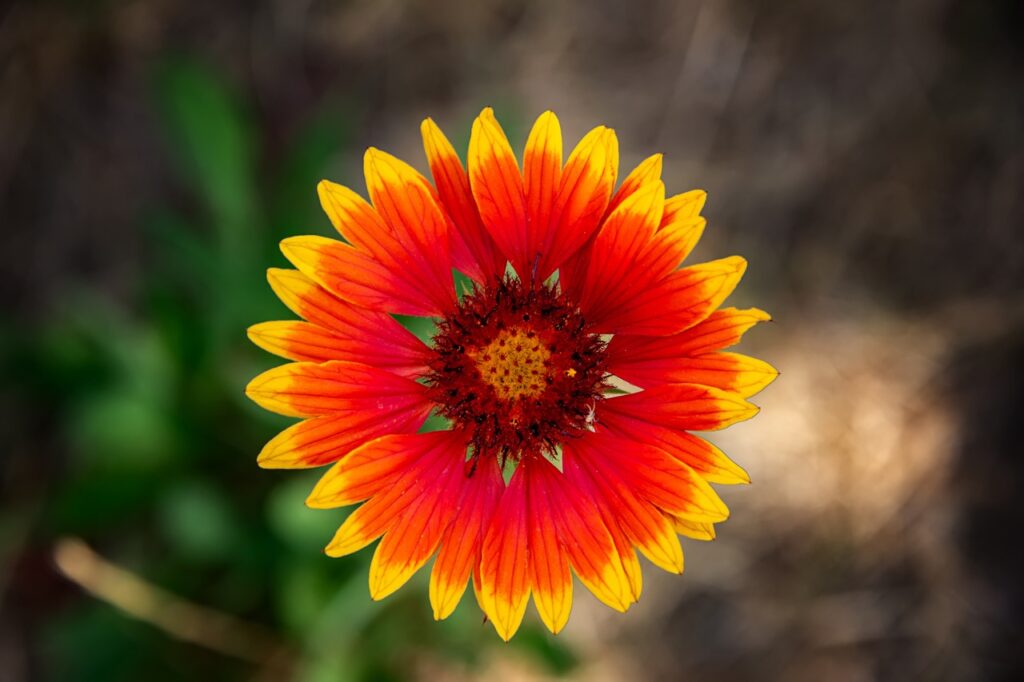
{"type": "Point", "coordinates": [853, 427]}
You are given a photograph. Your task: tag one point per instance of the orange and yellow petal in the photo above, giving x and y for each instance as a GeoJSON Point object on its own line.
{"type": "Point", "coordinates": [354, 218]}
{"type": "Point", "coordinates": [647, 171]}
{"type": "Point", "coordinates": [690, 407]}
{"type": "Point", "coordinates": [473, 250]}
{"type": "Point", "coordinates": [550, 577]}
{"type": "Point", "coordinates": [721, 329]}
{"type": "Point", "coordinates": [386, 255]}
{"type": "Point", "coordinates": [407, 545]}
{"type": "Point", "coordinates": [497, 186]}
{"type": "Point", "coordinates": [680, 300]}
{"type": "Point", "coordinates": [655, 476]}
{"type": "Point", "coordinates": [589, 542]}
{"type": "Point", "coordinates": [583, 486]}
{"type": "Point", "coordinates": [695, 530]}
{"type": "Point", "coordinates": [346, 404]}
{"type": "Point", "coordinates": [310, 389]}
{"type": "Point", "coordinates": [697, 453]}
{"type": "Point", "coordinates": [674, 242]}
{"type": "Point", "coordinates": [585, 188]}
{"type": "Point", "coordinates": [461, 545]}
{"type": "Point", "coordinates": [356, 334]}
{"type": "Point", "coordinates": [561, 527]}
{"type": "Point", "coordinates": [504, 573]}
{"type": "Point", "coordinates": [367, 523]}
{"type": "Point", "coordinates": [297, 340]}
{"type": "Point", "coordinates": [629, 254]}
{"type": "Point", "coordinates": [732, 372]}
{"type": "Point", "coordinates": [371, 468]}
{"type": "Point", "coordinates": [322, 440]}
{"type": "Point", "coordinates": [405, 201]}
{"type": "Point", "coordinates": [616, 267]}
{"type": "Point", "coordinates": [626, 555]}
{"type": "Point", "coordinates": [394, 494]}
{"type": "Point", "coordinates": [685, 205]}
{"type": "Point", "coordinates": [542, 174]}
{"type": "Point", "coordinates": [398, 229]}
{"type": "Point", "coordinates": [646, 526]}
{"type": "Point", "coordinates": [356, 277]}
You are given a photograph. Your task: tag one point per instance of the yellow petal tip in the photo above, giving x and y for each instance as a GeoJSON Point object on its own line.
{"type": "Point", "coordinates": [428, 128]}
{"type": "Point", "coordinates": [315, 500]}
{"type": "Point", "coordinates": [504, 634]}
{"type": "Point", "coordinates": [291, 245]}
{"type": "Point", "coordinates": [267, 464]}
{"type": "Point", "coordinates": [548, 118]}
{"type": "Point", "coordinates": [254, 332]}
{"type": "Point", "coordinates": [277, 275]}
{"type": "Point", "coordinates": [252, 388]}
{"type": "Point", "coordinates": [332, 551]}
{"type": "Point", "coordinates": [736, 264]}
{"type": "Point", "coordinates": [265, 459]}
{"type": "Point", "coordinates": [304, 249]}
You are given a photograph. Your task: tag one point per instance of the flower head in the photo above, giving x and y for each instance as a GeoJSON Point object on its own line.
{"type": "Point", "coordinates": [571, 373]}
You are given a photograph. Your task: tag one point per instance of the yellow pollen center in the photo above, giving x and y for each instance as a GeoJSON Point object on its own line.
{"type": "Point", "coordinates": [514, 363]}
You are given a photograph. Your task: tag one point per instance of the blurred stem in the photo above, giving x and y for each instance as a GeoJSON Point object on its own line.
{"type": "Point", "coordinates": [178, 618]}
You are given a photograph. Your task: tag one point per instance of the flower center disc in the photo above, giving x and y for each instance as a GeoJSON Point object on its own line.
{"type": "Point", "coordinates": [514, 364]}
{"type": "Point", "coordinates": [517, 369]}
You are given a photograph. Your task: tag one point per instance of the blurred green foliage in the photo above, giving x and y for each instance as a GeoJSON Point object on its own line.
{"type": "Point", "coordinates": [160, 475]}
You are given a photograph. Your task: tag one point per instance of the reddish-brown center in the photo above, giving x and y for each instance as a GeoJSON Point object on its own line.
{"type": "Point", "coordinates": [518, 369]}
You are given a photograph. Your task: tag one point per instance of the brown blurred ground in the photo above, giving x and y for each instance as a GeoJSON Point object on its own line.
{"type": "Point", "coordinates": [866, 158]}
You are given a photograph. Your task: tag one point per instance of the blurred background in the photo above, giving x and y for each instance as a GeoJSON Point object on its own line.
{"type": "Point", "coordinates": [866, 157]}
